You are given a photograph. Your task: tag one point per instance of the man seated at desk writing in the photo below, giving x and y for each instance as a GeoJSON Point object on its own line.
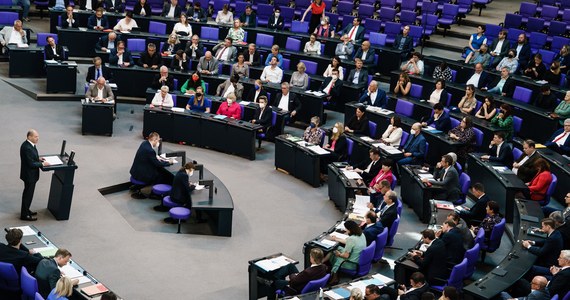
{"type": "Point", "coordinates": [121, 56]}
{"type": "Point", "coordinates": [445, 176]}
{"type": "Point", "coordinates": [162, 98]}
{"type": "Point", "coordinates": [477, 212]}
{"type": "Point", "coordinates": [499, 150]}
{"type": "Point", "coordinates": [368, 168]}
{"type": "Point", "coordinates": [440, 119]}
{"type": "Point", "coordinates": [150, 58]}
{"type": "Point", "coordinates": [374, 96]}
{"type": "Point", "coordinates": [418, 287]}
{"type": "Point", "coordinates": [53, 51]}
{"type": "Point", "coordinates": [100, 91]}
{"type": "Point", "coordinates": [431, 257]}
{"type": "Point", "coordinates": [107, 42]}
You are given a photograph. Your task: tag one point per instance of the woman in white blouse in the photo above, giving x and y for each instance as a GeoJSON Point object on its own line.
{"type": "Point", "coordinates": [438, 95]}
{"type": "Point", "coordinates": [127, 23]}
{"type": "Point", "coordinates": [182, 28]}
{"type": "Point", "coordinates": [335, 63]}
{"type": "Point", "coordinates": [162, 98]}
{"type": "Point", "coordinates": [313, 46]}
{"type": "Point", "coordinates": [299, 78]}
{"type": "Point", "coordinates": [225, 16]}
{"type": "Point", "coordinates": [393, 135]}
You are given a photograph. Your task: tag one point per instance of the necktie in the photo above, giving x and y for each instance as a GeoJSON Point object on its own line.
{"type": "Point", "coordinates": [222, 53]}
{"type": "Point", "coordinates": [383, 210]}
{"type": "Point", "coordinates": [350, 35]}
{"type": "Point", "coordinates": [98, 74]}
{"type": "Point", "coordinates": [560, 137]}
{"type": "Point", "coordinates": [330, 88]}
{"type": "Point", "coordinates": [208, 66]}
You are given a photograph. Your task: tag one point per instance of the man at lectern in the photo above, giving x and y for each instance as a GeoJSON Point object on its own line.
{"type": "Point", "coordinates": [30, 173]}
{"type": "Point", "coordinates": [147, 166]}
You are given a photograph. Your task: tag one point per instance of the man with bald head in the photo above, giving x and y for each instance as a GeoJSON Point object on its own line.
{"type": "Point", "coordinates": [415, 148]}
{"type": "Point", "coordinates": [374, 96]}
{"type": "Point", "coordinates": [13, 35]}
{"type": "Point", "coordinates": [30, 166]}
{"type": "Point", "coordinates": [208, 64]}
{"type": "Point", "coordinates": [107, 42]}
{"type": "Point", "coordinates": [538, 290]}
{"type": "Point", "coordinates": [100, 91]}
{"type": "Point", "coordinates": [366, 53]}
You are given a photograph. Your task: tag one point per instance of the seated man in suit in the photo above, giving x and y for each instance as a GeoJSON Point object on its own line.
{"type": "Point", "coordinates": [13, 35]}
{"type": "Point", "coordinates": [445, 176]}
{"type": "Point", "coordinates": [358, 75]}
{"type": "Point", "coordinates": [345, 48]}
{"type": "Point", "coordinates": [276, 20]}
{"type": "Point", "coordinates": [17, 254]}
{"type": "Point", "coordinates": [366, 53]}
{"type": "Point", "coordinates": [368, 168]}
{"type": "Point", "coordinates": [150, 58]}
{"type": "Point", "coordinates": [389, 213]}
{"type": "Point", "coordinates": [372, 228]}
{"type": "Point", "coordinates": [287, 101]}
{"type": "Point", "coordinates": [296, 280]}
{"type": "Point", "coordinates": [147, 166]}
{"type": "Point", "coordinates": [418, 286]}
{"type": "Point", "coordinates": [546, 249]}
{"type": "Point", "coordinates": [404, 42]}
{"type": "Point", "coordinates": [53, 51]}
{"type": "Point", "coordinates": [114, 6]}
{"type": "Point", "coordinates": [100, 91]}
{"type": "Point", "coordinates": [524, 51]}
{"type": "Point", "coordinates": [466, 233]}
{"type": "Point", "coordinates": [248, 18]}
{"type": "Point", "coordinates": [499, 48]}
{"type": "Point", "coordinates": [415, 147]}
{"type": "Point", "coordinates": [562, 226]}
{"type": "Point", "coordinates": [48, 273]}
{"type": "Point", "coordinates": [374, 96]}
{"type": "Point", "coordinates": [440, 119]}
{"type": "Point", "coordinates": [499, 150]}
{"type": "Point", "coordinates": [477, 212]}
{"type": "Point", "coordinates": [251, 56]}
{"type": "Point", "coordinates": [208, 64]}
{"type": "Point", "coordinates": [196, 13]}
{"type": "Point", "coordinates": [332, 86]}
{"type": "Point", "coordinates": [98, 21]}
{"type": "Point", "coordinates": [163, 79]}
{"type": "Point", "coordinates": [194, 48]}
{"type": "Point", "coordinates": [107, 42]}
{"type": "Point", "coordinates": [559, 141]}
{"type": "Point", "coordinates": [355, 31]}
{"type": "Point", "coordinates": [231, 85]}
{"type": "Point", "coordinates": [225, 51]}
{"type": "Point", "coordinates": [171, 10]}
{"type": "Point", "coordinates": [504, 85]}
{"type": "Point", "coordinates": [431, 257]}
{"type": "Point", "coordinates": [558, 285]}
{"type": "Point", "coordinates": [68, 20]}
{"type": "Point", "coordinates": [538, 290]}
{"type": "Point", "coordinates": [524, 166]}
{"type": "Point", "coordinates": [479, 77]}
{"type": "Point", "coordinates": [453, 240]}
{"type": "Point", "coordinates": [121, 56]}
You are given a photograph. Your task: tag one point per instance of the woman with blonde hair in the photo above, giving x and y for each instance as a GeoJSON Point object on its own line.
{"type": "Point", "coordinates": [63, 289]}
{"type": "Point", "coordinates": [300, 78]}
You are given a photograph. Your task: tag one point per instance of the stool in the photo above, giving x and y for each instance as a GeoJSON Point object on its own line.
{"type": "Point", "coordinates": [136, 188]}
{"type": "Point", "coordinates": [161, 190]}
{"type": "Point", "coordinates": [168, 204]}
{"type": "Point", "coordinates": [179, 213]}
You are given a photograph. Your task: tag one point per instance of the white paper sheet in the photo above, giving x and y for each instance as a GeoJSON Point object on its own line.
{"type": "Point", "coordinates": [351, 174]}
{"type": "Point", "coordinates": [318, 150]}
{"type": "Point", "coordinates": [53, 160]}
{"type": "Point", "coordinates": [26, 230]}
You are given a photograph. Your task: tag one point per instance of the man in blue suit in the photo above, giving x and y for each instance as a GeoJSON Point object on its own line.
{"type": "Point", "coordinates": [560, 141]}
{"type": "Point", "coordinates": [355, 31]}
{"type": "Point", "coordinates": [415, 147]}
{"type": "Point", "coordinates": [372, 228]}
{"type": "Point", "coordinates": [98, 21]}
{"type": "Point", "coordinates": [121, 56]}
{"type": "Point", "coordinates": [500, 150]}
{"type": "Point", "coordinates": [440, 119]}
{"type": "Point", "coordinates": [146, 165]}
{"type": "Point", "coordinates": [374, 96]}
{"type": "Point", "coordinates": [366, 53]}
{"type": "Point", "coordinates": [546, 250]}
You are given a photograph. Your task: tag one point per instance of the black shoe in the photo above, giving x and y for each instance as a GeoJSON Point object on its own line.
{"type": "Point", "coordinates": [33, 213]}
{"type": "Point", "coordinates": [28, 218]}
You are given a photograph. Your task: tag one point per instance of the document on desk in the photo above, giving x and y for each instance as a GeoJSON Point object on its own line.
{"type": "Point", "coordinates": [46, 251]}
{"type": "Point", "coordinates": [244, 103]}
{"type": "Point", "coordinates": [326, 243]}
{"type": "Point", "coordinates": [71, 63]}
{"type": "Point", "coordinates": [220, 117]}
{"type": "Point", "coordinates": [26, 230]}
{"type": "Point", "coordinates": [50, 61]}
{"type": "Point", "coordinates": [178, 109]}
{"type": "Point", "coordinates": [341, 226]}
{"type": "Point", "coordinates": [427, 175]}
{"type": "Point", "coordinates": [367, 139]}
{"type": "Point", "coordinates": [72, 273]}
{"type": "Point", "coordinates": [294, 139]}
{"type": "Point", "coordinates": [318, 150]}
{"type": "Point", "coordinates": [53, 160]}
{"type": "Point", "coordinates": [361, 284]}
{"type": "Point", "coordinates": [338, 293]}
{"type": "Point", "coordinates": [275, 263]}
{"type": "Point", "coordinates": [200, 187]}
{"type": "Point", "coordinates": [388, 148]}
{"type": "Point", "coordinates": [361, 201]}
{"type": "Point", "coordinates": [339, 235]}
{"type": "Point", "coordinates": [350, 174]}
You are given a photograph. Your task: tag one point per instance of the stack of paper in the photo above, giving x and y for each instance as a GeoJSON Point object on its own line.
{"type": "Point", "coordinates": [26, 230]}
{"type": "Point", "coordinates": [338, 293]}
{"type": "Point", "coordinates": [367, 139]}
{"type": "Point", "coordinates": [361, 201]}
{"type": "Point", "coordinates": [275, 263]}
{"type": "Point", "coordinates": [326, 243]}
{"type": "Point", "coordinates": [386, 112]}
{"type": "Point", "coordinates": [53, 160]}
{"type": "Point", "coordinates": [350, 174]}
{"type": "Point", "coordinates": [244, 103]}
{"type": "Point", "coordinates": [178, 109]}
{"type": "Point", "coordinates": [72, 273]}
{"type": "Point", "coordinates": [428, 176]}
{"type": "Point", "coordinates": [339, 235]}
{"type": "Point", "coordinates": [46, 251]}
{"type": "Point", "coordinates": [318, 150]}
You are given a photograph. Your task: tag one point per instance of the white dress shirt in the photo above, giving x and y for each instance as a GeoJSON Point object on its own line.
{"type": "Point", "coordinates": [474, 80]}
{"type": "Point", "coordinates": [272, 74]}
{"type": "Point", "coordinates": [284, 103]}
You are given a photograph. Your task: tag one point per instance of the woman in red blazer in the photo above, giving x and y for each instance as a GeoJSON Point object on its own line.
{"type": "Point", "coordinates": [541, 181]}
{"type": "Point", "coordinates": [384, 174]}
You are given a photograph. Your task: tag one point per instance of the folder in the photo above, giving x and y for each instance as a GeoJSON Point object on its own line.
{"type": "Point", "coordinates": [95, 289]}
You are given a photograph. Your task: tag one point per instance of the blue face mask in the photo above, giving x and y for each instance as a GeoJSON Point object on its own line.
{"type": "Point", "coordinates": [256, 87]}
{"type": "Point", "coordinates": [313, 125]}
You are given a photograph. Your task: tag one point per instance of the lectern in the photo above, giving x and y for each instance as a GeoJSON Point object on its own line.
{"type": "Point", "coordinates": [61, 189]}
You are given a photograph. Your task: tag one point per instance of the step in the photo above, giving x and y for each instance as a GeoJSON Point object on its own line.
{"type": "Point", "coordinates": [447, 43]}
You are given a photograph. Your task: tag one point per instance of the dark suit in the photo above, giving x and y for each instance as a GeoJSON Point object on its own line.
{"type": "Point", "coordinates": [371, 232]}
{"type": "Point", "coordinates": [483, 79]}
{"type": "Point", "coordinates": [105, 72]}
{"type": "Point", "coordinates": [558, 285]}
{"type": "Point", "coordinates": [251, 95]}
{"type": "Point", "coordinates": [335, 89]}
{"type": "Point", "coordinates": [175, 48]}
{"type": "Point", "coordinates": [503, 51]}
{"type": "Point", "coordinates": [127, 57]}
{"type": "Point", "coordinates": [166, 9]}
{"type": "Point", "coordinates": [548, 250]}
{"type": "Point", "coordinates": [453, 240]}
{"type": "Point", "coordinates": [505, 154]}
{"type": "Point", "coordinates": [47, 275]}
{"type": "Point", "coordinates": [417, 146]}
{"type": "Point", "coordinates": [362, 76]}
{"type": "Point", "coordinates": [201, 14]}
{"type": "Point", "coordinates": [527, 171]}
{"type": "Point", "coordinates": [199, 52]}
{"type": "Point", "coordinates": [298, 281]}
{"type": "Point", "coordinates": [58, 55]}
{"type": "Point", "coordinates": [450, 183]}
{"type": "Point", "coordinates": [104, 42]}
{"type": "Point", "coordinates": [477, 213]}
{"type": "Point", "coordinates": [29, 173]}
{"type": "Point", "coordinates": [434, 262]}
{"type": "Point", "coordinates": [65, 24]}
{"type": "Point", "coordinates": [564, 230]}
{"type": "Point", "coordinates": [508, 87]}
{"type": "Point", "coordinates": [524, 55]}
{"type": "Point", "coordinates": [272, 25]}
{"type": "Point", "coordinates": [358, 36]}
{"type": "Point", "coordinates": [408, 44]}
{"type": "Point", "coordinates": [181, 189]}
{"type": "Point", "coordinates": [410, 295]}
{"type": "Point", "coordinates": [146, 167]}
{"type": "Point", "coordinates": [256, 57]}
{"type": "Point", "coordinates": [442, 124]}
{"type": "Point", "coordinates": [252, 19]}
{"type": "Point", "coordinates": [564, 149]}
{"type": "Point", "coordinates": [138, 8]}
{"type": "Point", "coordinates": [118, 6]}
{"type": "Point", "coordinates": [389, 216]}
{"type": "Point", "coordinates": [369, 56]}
{"type": "Point", "coordinates": [294, 103]}
{"type": "Point", "coordinates": [380, 100]}
{"type": "Point", "coordinates": [92, 22]}
{"type": "Point", "coordinates": [154, 60]}
{"type": "Point", "coordinates": [374, 170]}
{"type": "Point", "coordinates": [156, 84]}
{"type": "Point", "coordinates": [265, 119]}
{"type": "Point", "coordinates": [94, 4]}
{"type": "Point", "coordinates": [19, 257]}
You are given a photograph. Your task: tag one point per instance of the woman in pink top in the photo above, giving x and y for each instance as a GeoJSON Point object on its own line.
{"type": "Point", "coordinates": [384, 174]}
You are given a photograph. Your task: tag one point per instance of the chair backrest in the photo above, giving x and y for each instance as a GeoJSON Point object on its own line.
{"type": "Point", "coordinates": [457, 275]}
{"type": "Point", "coordinates": [387, 4]}
{"type": "Point", "coordinates": [136, 45]}
{"type": "Point", "coordinates": [449, 11]}
{"type": "Point", "coordinates": [29, 285]}
{"type": "Point", "coordinates": [404, 107]}
{"type": "Point", "coordinates": [372, 128]}
{"type": "Point", "coordinates": [39, 297]}
{"type": "Point", "coordinates": [555, 297]}
{"type": "Point", "coordinates": [549, 12]}
{"type": "Point", "coordinates": [264, 40]}
{"type": "Point", "coordinates": [293, 44]}
{"type": "Point", "coordinates": [372, 25]}
{"type": "Point", "coordinates": [156, 27]}
{"type": "Point", "coordinates": [527, 9]}
{"type": "Point", "coordinates": [459, 168]}
{"type": "Point", "coordinates": [273, 118]}
{"type": "Point", "coordinates": [393, 231]}
{"type": "Point", "coordinates": [537, 40]}
{"type": "Point", "coordinates": [512, 21]}
{"type": "Point", "coordinates": [377, 39]}
{"type": "Point", "coordinates": [517, 153]}
{"type": "Point", "coordinates": [210, 33]}
{"type": "Point", "coordinates": [478, 136]}
{"type": "Point", "coordinates": [9, 279]}
{"type": "Point", "coordinates": [416, 90]}
{"type": "Point", "coordinates": [387, 14]}
{"type": "Point", "coordinates": [454, 122]}
{"type": "Point", "coordinates": [394, 182]}
{"type": "Point", "coordinates": [311, 66]}
{"type": "Point", "coordinates": [381, 240]}
{"type": "Point", "coordinates": [349, 146]}
{"type": "Point", "coordinates": [404, 138]}
{"type": "Point", "coordinates": [407, 17]}
{"type": "Point", "coordinates": [492, 31]}
{"type": "Point", "coordinates": [365, 10]}
{"type": "Point", "coordinates": [344, 8]}
{"type": "Point", "coordinates": [522, 94]}
{"type": "Point", "coordinates": [7, 18]}
{"type": "Point", "coordinates": [480, 238]}
{"type": "Point", "coordinates": [517, 124]}
{"type": "Point", "coordinates": [315, 285]}
{"type": "Point", "coordinates": [472, 256]}
{"type": "Point", "coordinates": [558, 41]}
{"type": "Point", "coordinates": [392, 29]}
{"type": "Point", "coordinates": [42, 36]}
{"type": "Point", "coordinates": [399, 206]}
{"type": "Point", "coordinates": [298, 26]}
{"type": "Point", "coordinates": [286, 64]}
{"type": "Point", "coordinates": [547, 57]}
{"type": "Point", "coordinates": [365, 259]}
{"type": "Point", "coordinates": [567, 296]}
{"type": "Point", "coordinates": [496, 235]}
{"type": "Point", "coordinates": [550, 190]}
{"type": "Point", "coordinates": [534, 25]}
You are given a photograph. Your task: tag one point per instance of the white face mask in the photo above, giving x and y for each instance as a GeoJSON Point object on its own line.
{"type": "Point", "coordinates": [323, 23]}
{"type": "Point", "coordinates": [277, 15]}
{"type": "Point", "coordinates": [261, 105]}
{"type": "Point", "coordinates": [412, 132]}
{"type": "Point", "coordinates": [191, 173]}
{"type": "Point", "coordinates": [335, 130]}
{"type": "Point", "coordinates": [230, 102]}
{"type": "Point", "coordinates": [334, 77]}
